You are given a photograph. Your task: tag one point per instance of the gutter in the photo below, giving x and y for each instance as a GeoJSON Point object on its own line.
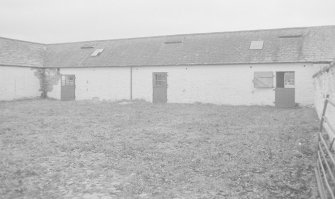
{"type": "Point", "coordinates": [22, 66]}
{"type": "Point", "coordinates": [193, 64]}
{"type": "Point", "coordinates": [162, 65]}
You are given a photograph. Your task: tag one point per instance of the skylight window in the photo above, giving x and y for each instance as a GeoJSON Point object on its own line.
{"type": "Point", "coordinates": [97, 52]}
{"type": "Point", "coordinates": [256, 45]}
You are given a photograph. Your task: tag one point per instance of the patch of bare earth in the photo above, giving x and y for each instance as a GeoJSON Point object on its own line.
{"type": "Point", "coordinates": [53, 149]}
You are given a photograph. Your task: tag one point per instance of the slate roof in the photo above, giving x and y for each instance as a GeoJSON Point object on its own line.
{"type": "Point", "coordinates": [21, 53]}
{"type": "Point", "coordinates": [309, 44]}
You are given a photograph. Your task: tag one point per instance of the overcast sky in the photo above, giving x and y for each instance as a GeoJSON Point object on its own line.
{"type": "Point", "coordinates": [51, 21]}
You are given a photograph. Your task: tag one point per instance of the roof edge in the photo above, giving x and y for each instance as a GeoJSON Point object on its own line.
{"type": "Point", "coordinates": [159, 36]}
{"type": "Point", "coordinates": [189, 34]}
{"type": "Point", "coordinates": [22, 41]}
{"type": "Point", "coordinates": [22, 66]}
{"type": "Point", "coordinates": [324, 70]}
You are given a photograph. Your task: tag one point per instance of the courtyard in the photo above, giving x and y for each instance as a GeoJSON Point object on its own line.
{"type": "Point", "coordinates": [92, 149]}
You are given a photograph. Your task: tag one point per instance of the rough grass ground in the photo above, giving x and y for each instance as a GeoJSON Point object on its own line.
{"type": "Point", "coordinates": [53, 149]}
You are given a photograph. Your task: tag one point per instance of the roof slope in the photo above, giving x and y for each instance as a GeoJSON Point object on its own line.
{"type": "Point", "coordinates": [21, 53]}
{"type": "Point", "coordinates": [313, 44]}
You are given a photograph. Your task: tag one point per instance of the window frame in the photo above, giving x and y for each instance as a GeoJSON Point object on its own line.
{"type": "Point", "coordinates": [160, 79]}
{"type": "Point", "coordinates": [68, 80]}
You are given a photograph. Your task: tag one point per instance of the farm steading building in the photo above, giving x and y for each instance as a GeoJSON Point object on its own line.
{"type": "Point", "coordinates": [259, 67]}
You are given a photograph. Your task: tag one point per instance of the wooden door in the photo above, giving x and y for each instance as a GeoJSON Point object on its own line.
{"type": "Point", "coordinates": [68, 87]}
{"type": "Point", "coordinates": [285, 89]}
{"type": "Point", "coordinates": [159, 82]}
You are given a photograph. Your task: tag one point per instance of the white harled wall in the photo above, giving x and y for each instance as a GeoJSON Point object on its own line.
{"type": "Point", "coordinates": [228, 84]}
{"type": "Point", "coordinates": [218, 84]}
{"type": "Point", "coordinates": [324, 84]}
{"type": "Point", "coordinates": [109, 83]}
{"type": "Point", "coordinates": [18, 83]}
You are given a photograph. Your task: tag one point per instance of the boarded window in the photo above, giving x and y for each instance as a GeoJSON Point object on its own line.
{"type": "Point", "coordinates": [263, 79]}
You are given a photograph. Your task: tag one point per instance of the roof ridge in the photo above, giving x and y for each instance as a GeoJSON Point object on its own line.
{"type": "Point", "coordinates": [161, 36]}
{"type": "Point", "coordinates": [191, 34]}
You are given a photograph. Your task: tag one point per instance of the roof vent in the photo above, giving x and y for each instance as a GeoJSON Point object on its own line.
{"type": "Point", "coordinates": [97, 52]}
{"type": "Point", "coordinates": [173, 42]}
{"type": "Point", "coordinates": [176, 39]}
{"type": "Point", "coordinates": [86, 47]}
{"type": "Point", "coordinates": [256, 45]}
{"type": "Point", "coordinates": [290, 36]}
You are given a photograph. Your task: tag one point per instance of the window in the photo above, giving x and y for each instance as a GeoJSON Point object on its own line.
{"type": "Point", "coordinates": [285, 79]}
{"type": "Point", "coordinates": [68, 80]}
{"type": "Point", "coordinates": [256, 45]}
{"type": "Point", "coordinates": [160, 79]}
{"type": "Point", "coordinates": [289, 80]}
{"type": "Point", "coordinates": [263, 79]}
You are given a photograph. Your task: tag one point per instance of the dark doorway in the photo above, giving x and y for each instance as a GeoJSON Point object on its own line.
{"type": "Point", "coordinates": [285, 89]}
{"type": "Point", "coordinates": [159, 82]}
{"type": "Point", "coordinates": [68, 87]}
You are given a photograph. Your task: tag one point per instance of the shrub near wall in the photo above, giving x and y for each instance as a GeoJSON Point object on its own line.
{"type": "Point", "coordinates": [48, 78]}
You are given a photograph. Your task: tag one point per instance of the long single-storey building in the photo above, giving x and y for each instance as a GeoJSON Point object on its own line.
{"type": "Point", "coordinates": [258, 67]}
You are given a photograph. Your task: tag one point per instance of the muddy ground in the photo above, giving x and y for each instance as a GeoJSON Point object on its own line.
{"type": "Point", "coordinates": [54, 149]}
